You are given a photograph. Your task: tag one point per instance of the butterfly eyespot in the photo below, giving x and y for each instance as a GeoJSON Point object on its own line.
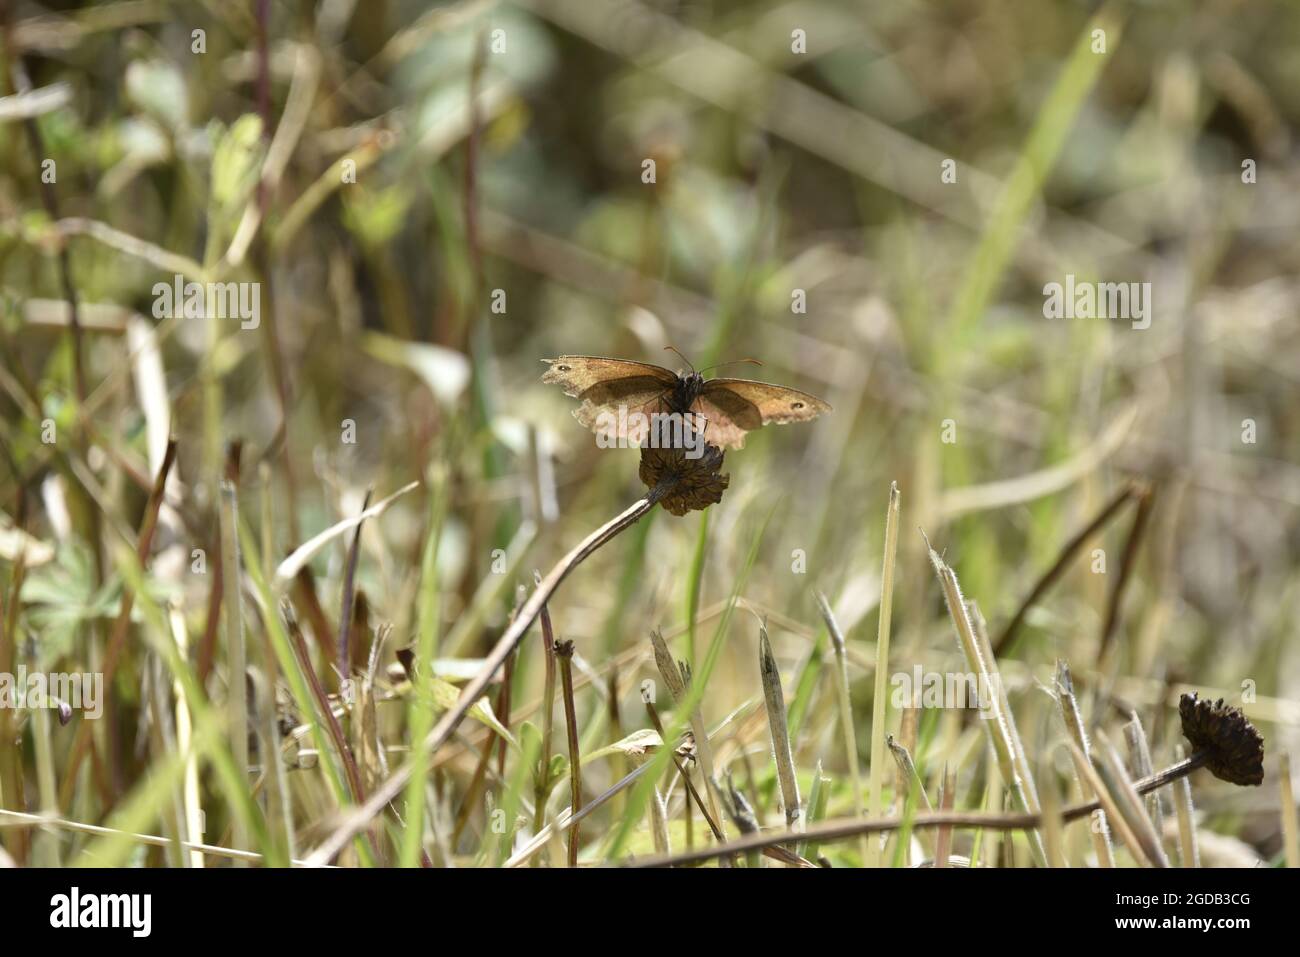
{"type": "Point", "coordinates": [796, 405]}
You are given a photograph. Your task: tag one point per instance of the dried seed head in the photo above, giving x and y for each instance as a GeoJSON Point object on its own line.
{"type": "Point", "coordinates": [1235, 748]}
{"type": "Point", "coordinates": [684, 484]}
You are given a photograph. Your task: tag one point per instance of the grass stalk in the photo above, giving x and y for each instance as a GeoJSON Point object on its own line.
{"type": "Point", "coordinates": [999, 726]}
{"type": "Point", "coordinates": [844, 702]}
{"type": "Point", "coordinates": [1189, 853]}
{"type": "Point", "coordinates": [564, 655]}
{"type": "Point", "coordinates": [880, 696]}
{"type": "Point", "coordinates": [236, 661]}
{"type": "Point", "coordinates": [1286, 797]}
{"type": "Point", "coordinates": [774, 698]}
{"type": "Point", "coordinates": [542, 781]}
{"type": "Point", "coordinates": [1140, 762]}
{"type": "Point", "coordinates": [452, 718]}
{"type": "Point", "coordinates": [420, 707]}
{"type": "Point", "coordinates": [1146, 846]}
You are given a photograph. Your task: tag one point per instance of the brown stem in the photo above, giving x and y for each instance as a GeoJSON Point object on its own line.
{"type": "Point", "coordinates": [349, 596]}
{"type": "Point", "coordinates": [341, 745]}
{"type": "Point", "coordinates": [686, 778]}
{"type": "Point", "coordinates": [1127, 560]}
{"type": "Point", "coordinates": [1058, 568]}
{"type": "Point", "coordinates": [542, 784]}
{"type": "Point", "coordinates": [117, 640]}
{"type": "Point", "coordinates": [564, 652]}
{"type": "Point", "coordinates": [840, 829]}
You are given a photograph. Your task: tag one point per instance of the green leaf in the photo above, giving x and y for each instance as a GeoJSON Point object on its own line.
{"type": "Point", "coordinates": [235, 161]}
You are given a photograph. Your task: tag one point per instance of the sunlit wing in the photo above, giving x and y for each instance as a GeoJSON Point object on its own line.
{"type": "Point", "coordinates": [616, 415]}
{"type": "Point", "coordinates": [775, 403]}
{"type": "Point", "coordinates": [577, 374]}
{"type": "Point", "coordinates": [727, 419]}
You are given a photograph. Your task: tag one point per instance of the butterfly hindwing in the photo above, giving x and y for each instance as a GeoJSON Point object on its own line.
{"type": "Point", "coordinates": [608, 410]}
{"type": "Point", "coordinates": [726, 420]}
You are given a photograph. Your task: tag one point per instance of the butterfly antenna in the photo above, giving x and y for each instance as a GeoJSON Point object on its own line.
{"type": "Point", "coordinates": [679, 353]}
{"type": "Point", "coordinates": [732, 362]}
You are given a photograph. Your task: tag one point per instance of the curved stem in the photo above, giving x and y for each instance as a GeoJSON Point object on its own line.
{"type": "Point", "coordinates": [842, 828]}
{"type": "Point", "coordinates": [391, 788]}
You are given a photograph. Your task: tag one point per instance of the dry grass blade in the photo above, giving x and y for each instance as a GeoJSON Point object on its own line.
{"type": "Point", "coordinates": [1188, 849]}
{"type": "Point", "coordinates": [22, 819]}
{"type": "Point", "coordinates": [1140, 762]}
{"type": "Point", "coordinates": [844, 702]}
{"type": "Point", "coordinates": [1126, 800]}
{"type": "Point", "coordinates": [907, 770]}
{"type": "Point", "coordinates": [774, 698]}
{"type": "Point", "coordinates": [1290, 826]}
{"type": "Point", "coordinates": [1000, 724]}
{"type": "Point", "coordinates": [1053, 574]}
{"type": "Point", "coordinates": [349, 595]}
{"type": "Point", "coordinates": [288, 569]}
{"type": "Point", "coordinates": [236, 660]}
{"type": "Point", "coordinates": [673, 674]}
{"type": "Point", "coordinates": [117, 639]}
{"type": "Point", "coordinates": [943, 840]}
{"type": "Point", "coordinates": [1128, 561]}
{"type": "Point", "coordinates": [470, 694]}
{"type": "Point", "coordinates": [1069, 705]}
{"type": "Point", "coordinates": [875, 784]}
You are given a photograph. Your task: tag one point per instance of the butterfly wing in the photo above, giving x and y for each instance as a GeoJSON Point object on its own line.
{"type": "Point", "coordinates": [610, 391]}
{"type": "Point", "coordinates": [736, 406]}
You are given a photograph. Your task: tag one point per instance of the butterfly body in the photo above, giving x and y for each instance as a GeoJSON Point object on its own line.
{"type": "Point", "coordinates": [610, 390]}
{"type": "Point", "coordinates": [688, 388]}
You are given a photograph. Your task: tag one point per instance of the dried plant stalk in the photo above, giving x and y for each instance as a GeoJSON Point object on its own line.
{"type": "Point", "coordinates": [780, 730]}
{"type": "Point", "coordinates": [876, 771]}
{"type": "Point", "coordinates": [1290, 829]}
{"type": "Point", "coordinates": [1074, 726]}
{"type": "Point", "coordinates": [999, 726]}
{"type": "Point", "coordinates": [845, 704]}
{"type": "Point", "coordinates": [1189, 852]}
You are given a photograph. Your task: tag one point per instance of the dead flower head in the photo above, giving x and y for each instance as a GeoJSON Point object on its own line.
{"type": "Point", "coordinates": [684, 484]}
{"type": "Point", "coordinates": [1234, 749]}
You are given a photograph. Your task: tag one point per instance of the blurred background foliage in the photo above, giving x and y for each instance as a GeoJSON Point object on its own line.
{"type": "Point", "coordinates": [449, 192]}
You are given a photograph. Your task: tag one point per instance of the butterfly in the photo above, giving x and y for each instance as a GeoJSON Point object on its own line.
{"type": "Point", "coordinates": [611, 390]}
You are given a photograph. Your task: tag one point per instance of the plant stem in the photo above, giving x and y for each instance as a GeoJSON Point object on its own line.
{"type": "Point", "coordinates": [876, 770]}
{"type": "Point", "coordinates": [845, 703]}
{"type": "Point", "coordinates": [495, 659]}
{"type": "Point", "coordinates": [842, 828]}
{"type": "Point", "coordinates": [542, 785]}
{"type": "Point", "coordinates": [564, 652]}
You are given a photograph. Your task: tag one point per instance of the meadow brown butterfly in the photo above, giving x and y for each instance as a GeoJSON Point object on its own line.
{"type": "Point", "coordinates": [731, 407]}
